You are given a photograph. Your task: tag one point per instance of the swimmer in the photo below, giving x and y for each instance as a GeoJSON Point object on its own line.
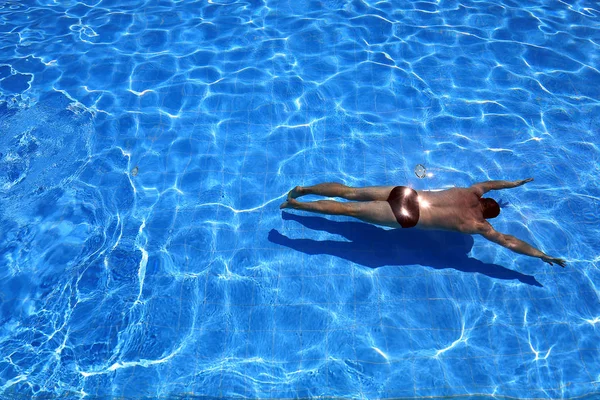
{"type": "Point", "coordinates": [457, 209]}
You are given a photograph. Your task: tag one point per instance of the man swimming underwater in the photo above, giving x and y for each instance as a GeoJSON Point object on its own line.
{"type": "Point", "coordinates": [457, 209]}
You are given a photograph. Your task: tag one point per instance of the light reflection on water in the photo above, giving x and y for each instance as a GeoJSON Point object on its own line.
{"type": "Point", "coordinates": [145, 148]}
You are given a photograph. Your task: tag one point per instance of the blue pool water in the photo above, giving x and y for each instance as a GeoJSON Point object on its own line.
{"type": "Point", "coordinates": [145, 148]}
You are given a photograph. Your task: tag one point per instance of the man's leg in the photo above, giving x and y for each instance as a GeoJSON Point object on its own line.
{"type": "Point", "coordinates": [332, 189]}
{"type": "Point", "coordinates": [375, 212]}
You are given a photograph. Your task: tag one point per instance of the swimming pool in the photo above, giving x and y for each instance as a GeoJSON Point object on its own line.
{"type": "Point", "coordinates": [145, 148]}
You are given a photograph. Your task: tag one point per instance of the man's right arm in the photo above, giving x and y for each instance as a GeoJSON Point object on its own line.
{"type": "Point", "coordinates": [516, 245]}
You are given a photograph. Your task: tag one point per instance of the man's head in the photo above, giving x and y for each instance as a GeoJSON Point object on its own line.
{"type": "Point", "coordinates": [490, 208]}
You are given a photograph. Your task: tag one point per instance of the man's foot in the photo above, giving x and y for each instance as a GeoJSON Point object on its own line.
{"type": "Point", "coordinates": [290, 203]}
{"type": "Point", "coordinates": [295, 193]}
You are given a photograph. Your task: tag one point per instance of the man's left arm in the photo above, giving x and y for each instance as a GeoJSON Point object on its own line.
{"type": "Point", "coordinates": [483, 187]}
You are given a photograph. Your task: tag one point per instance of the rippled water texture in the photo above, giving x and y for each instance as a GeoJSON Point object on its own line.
{"type": "Point", "coordinates": [145, 148]}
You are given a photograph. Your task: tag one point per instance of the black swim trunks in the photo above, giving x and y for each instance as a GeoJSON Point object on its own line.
{"type": "Point", "coordinates": [404, 202]}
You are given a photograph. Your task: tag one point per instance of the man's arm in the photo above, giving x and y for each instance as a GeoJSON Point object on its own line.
{"type": "Point", "coordinates": [484, 187]}
{"type": "Point", "coordinates": [516, 245]}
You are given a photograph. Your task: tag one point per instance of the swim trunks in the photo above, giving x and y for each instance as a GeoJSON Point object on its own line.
{"type": "Point", "coordinates": [404, 202]}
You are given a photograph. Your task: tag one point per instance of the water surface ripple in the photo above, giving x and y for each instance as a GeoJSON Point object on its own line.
{"type": "Point", "coordinates": [145, 147]}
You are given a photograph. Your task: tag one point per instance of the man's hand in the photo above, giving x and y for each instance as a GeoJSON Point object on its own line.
{"type": "Point", "coordinates": [522, 182]}
{"type": "Point", "coordinates": [551, 260]}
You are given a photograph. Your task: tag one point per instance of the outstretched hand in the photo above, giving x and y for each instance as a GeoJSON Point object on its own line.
{"type": "Point", "coordinates": [551, 260]}
{"type": "Point", "coordinates": [523, 181]}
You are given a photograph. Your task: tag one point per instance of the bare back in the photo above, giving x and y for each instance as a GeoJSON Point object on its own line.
{"type": "Point", "coordinates": [456, 209]}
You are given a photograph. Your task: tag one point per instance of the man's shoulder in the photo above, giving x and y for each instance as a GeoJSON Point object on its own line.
{"type": "Point", "coordinates": [466, 191]}
{"type": "Point", "coordinates": [475, 226]}
{"type": "Point", "coordinates": [477, 189]}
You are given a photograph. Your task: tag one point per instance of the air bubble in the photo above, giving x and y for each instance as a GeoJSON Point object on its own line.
{"type": "Point", "coordinates": [420, 171]}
